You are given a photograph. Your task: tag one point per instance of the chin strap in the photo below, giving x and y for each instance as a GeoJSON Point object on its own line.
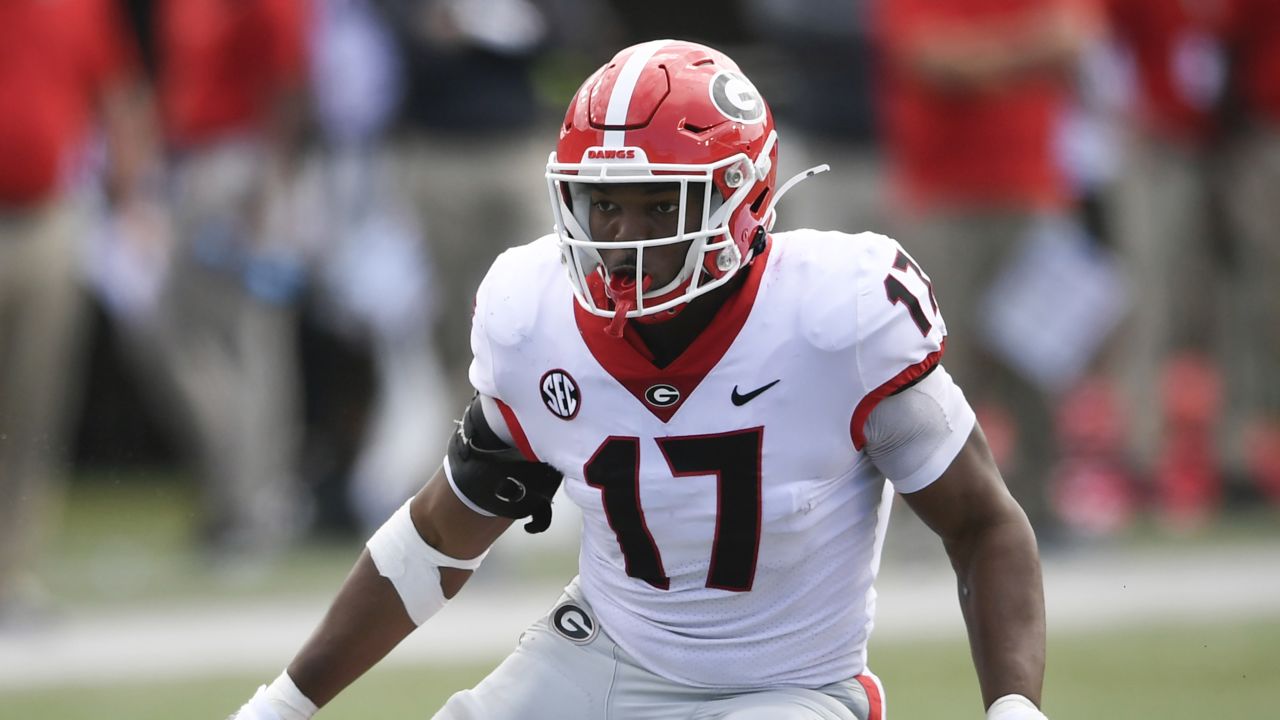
{"type": "Point", "coordinates": [786, 187]}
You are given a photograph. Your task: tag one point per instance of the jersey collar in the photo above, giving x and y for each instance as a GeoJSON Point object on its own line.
{"type": "Point", "coordinates": [629, 362]}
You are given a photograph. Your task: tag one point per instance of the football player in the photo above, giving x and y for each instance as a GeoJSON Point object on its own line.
{"type": "Point", "coordinates": [725, 405]}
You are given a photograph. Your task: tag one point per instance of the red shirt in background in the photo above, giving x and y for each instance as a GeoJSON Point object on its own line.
{"type": "Point", "coordinates": [56, 57]}
{"type": "Point", "coordinates": [225, 61]}
{"type": "Point", "coordinates": [1178, 48]}
{"type": "Point", "coordinates": [995, 147]}
{"type": "Point", "coordinates": [1256, 57]}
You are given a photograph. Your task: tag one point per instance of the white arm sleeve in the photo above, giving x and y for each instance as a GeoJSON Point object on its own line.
{"type": "Point", "coordinates": [913, 436]}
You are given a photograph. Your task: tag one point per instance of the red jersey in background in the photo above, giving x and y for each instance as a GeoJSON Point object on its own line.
{"type": "Point", "coordinates": [56, 56]}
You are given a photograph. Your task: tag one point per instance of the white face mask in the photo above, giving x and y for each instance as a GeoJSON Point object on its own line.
{"type": "Point", "coordinates": [710, 243]}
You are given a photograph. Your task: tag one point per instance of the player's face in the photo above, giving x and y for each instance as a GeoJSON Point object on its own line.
{"type": "Point", "coordinates": [643, 211]}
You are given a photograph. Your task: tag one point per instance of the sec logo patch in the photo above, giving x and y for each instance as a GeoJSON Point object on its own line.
{"type": "Point", "coordinates": [560, 394]}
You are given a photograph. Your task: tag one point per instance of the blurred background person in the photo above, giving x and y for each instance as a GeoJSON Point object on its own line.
{"type": "Point", "coordinates": [1173, 242]}
{"type": "Point", "coordinates": [1252, 200]}
{"type": "Point", "coordinates": [470, 115]}
{"type": "Point", "coordinates": [820, 71]}
{"type": "Point", "coordinates": [395, 86]}
{"type": "Point", "coordinates": [426, 108]}
{"type": "Point", "coordinates": [64, 67]}
{"type": "Point", "coordinates": [231, 84]}
{"type": "Point", "coordinates": [1094, 487]}
{"type": "Point", "coordinates": [374, 286]}
{"type": "Point", "coordinates": [973, 94]}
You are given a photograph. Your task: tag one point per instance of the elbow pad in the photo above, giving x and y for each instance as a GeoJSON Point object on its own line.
{"type": "Point", "coordinates": [493, 478]}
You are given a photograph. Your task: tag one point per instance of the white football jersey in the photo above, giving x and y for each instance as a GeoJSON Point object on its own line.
{"type": "Point", "coordinates": [732, 523]}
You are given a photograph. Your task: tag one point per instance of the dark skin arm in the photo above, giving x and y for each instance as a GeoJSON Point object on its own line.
{"type": "Point", "coordinates": [993, 550]}
{"type": "Point", "coordinates": [367, 618]}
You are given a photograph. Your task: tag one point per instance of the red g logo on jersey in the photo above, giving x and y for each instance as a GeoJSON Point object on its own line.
{"type": "Point", "coordinates": [560, 394]}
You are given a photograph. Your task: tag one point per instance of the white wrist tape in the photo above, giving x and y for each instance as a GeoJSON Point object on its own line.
{"type": "Point", "coordinates": [281, 700]}
{"type": "Point", "coordinates": [288, 701]}
{"type": "Point", "coordinates": [1014, 707]}
{"type": "Point", "coordinates": [413, 566]}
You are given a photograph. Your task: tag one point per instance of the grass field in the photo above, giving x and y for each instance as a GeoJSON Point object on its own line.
{"type": "Point", "coordinates": [1220, 671]}
{"type": "Point", "coordinates": [128, 540]}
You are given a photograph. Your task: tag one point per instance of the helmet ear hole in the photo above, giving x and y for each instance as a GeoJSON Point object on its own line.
{"type": "Point", "coordinates": [759, 201]}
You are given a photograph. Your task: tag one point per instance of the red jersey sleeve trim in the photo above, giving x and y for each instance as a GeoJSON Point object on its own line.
{"type": "Point", "coordinates": [875, 700]}
{"type": "Point", "coordinates": [896, 383]}
{"type": "Point", "coordinates": [517, 432]}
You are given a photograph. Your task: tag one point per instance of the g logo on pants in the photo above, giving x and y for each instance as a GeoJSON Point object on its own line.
{"type": "Point", "coordinates": [573, 623]}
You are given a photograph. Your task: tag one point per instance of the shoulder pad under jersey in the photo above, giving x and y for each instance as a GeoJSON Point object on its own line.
{"type": "Point", "coordinates": [831, 269]}
{"type": "Point", "coordinates": [508, 299]}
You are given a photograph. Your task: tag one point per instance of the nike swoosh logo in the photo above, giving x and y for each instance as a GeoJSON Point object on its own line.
{"type": "Point", "coordinates": [744, 399]}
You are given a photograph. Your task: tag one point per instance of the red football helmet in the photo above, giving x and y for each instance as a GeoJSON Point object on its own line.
{"type": "Point", "coordinates": [665, 111]}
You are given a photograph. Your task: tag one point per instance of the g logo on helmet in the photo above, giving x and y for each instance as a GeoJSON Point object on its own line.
{"type": "Point", "coordinates": [736, 98]}
{"type": "Point", "coordinates": [560, 394]}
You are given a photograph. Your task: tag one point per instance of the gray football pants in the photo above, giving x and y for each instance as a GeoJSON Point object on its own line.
{"type": "Point", "coordinates": [566, 666]}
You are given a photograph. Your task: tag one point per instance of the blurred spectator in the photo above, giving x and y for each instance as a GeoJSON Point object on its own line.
{"type": "Point", "coordinates": [475, 112]}
{"type": "Point", "coordinates": [1094, 486]}
{"type": "Point", "coordinates": [62, 65]}
{"type": "Point", "coordinates": [822, 71]}
{"type": "Point", "coordinates": [231, 80]}
{"type": "Point", "coordinates": [471, 124]}
{"type": "Point", "coordinates": [973, 94]}
{"type": "Point", "coordinates": [373, 278]}
{"type": "Point", "coordinates": [467, 151]}
{"type": "Point", "coordinates": [723, 22]}
{"type": "Point", "coordinates": [1253, 204]}
{"type": "Point", "coordinates": [1171, 239]}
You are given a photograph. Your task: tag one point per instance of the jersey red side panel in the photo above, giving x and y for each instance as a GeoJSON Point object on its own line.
{"type": "Point", "coordinates": [517, 432]}
{"type": "Point", "coordinates": [875, 699]}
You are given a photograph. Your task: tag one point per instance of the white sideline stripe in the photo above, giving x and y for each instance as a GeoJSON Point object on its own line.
{"type": "Point", "coordinates": [624, 87]}
{"type": "Point", "coordinates": [1085, 592]}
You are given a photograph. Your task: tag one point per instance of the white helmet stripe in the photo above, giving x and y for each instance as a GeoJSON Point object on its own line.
{"type": "Point", "coordinates": [623, 87]}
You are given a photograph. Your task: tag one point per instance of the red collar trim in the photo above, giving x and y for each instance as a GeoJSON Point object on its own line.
{"type": "Point", "coordinates": [631, 363]}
